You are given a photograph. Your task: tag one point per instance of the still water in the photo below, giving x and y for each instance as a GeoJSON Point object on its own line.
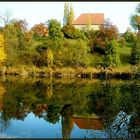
{"type": "Point", "coordinates": [69, 108]}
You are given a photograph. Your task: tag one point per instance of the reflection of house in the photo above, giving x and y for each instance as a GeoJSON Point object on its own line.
{"type": "Point", "coordinates": [88, 123]}
{"type": "Point", "coordinates": [40, 108]}
{"type": "Point", "coordinates": [92, 19]}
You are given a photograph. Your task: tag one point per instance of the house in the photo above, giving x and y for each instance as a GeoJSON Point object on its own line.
{"type": "Point", "coordinates": [94, 20]}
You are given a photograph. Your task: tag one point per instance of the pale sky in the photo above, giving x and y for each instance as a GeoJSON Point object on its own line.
{"type": "Point", "coordinates": [36, 12]}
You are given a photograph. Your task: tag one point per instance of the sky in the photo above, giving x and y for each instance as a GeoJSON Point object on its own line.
{"type": "Point", "coordinates": [39, 12]}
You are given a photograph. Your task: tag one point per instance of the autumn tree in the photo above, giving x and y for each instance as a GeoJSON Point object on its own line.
{"type": "Point", "coordinates": [45, 57]}
{"type": "Point", "coordinates": [107, 31]}
{"type": "Point", "coordinates": [40, 30]}
{"type": "Point", "coordinates": [2, 50]}
{"type": "Point", "coordinates": [55, 32]}
{"type": "Point", "coordinates": [17, 39]}
{"type": "Point", "coordinates": [21, 28]}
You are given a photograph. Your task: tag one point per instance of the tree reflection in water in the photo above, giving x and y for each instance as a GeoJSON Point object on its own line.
{"type": "Point", "coordinates": [116, 103]}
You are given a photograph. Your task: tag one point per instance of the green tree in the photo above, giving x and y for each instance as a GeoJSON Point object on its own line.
{"type": "Point", "coordinates": [71, 15]}
{"type": "Point", "coordinates": [68, 14]}
{"type": "Point", "coordinates": [55, 32]}
{"type": "Point", "coordinates": [135, 19]}
{"type": "Point", "coordinates": [135, 52]}
{"type": "Point", "coordinates": [11, 42]}
{"type": "Point", "coordinates": [111, 57]}
{"type": "Point", "coordinates": [71, 32]}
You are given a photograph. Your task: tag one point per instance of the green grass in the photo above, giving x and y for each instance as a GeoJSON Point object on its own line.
{"type": "Point", "coordinates": [34, 45]}
{"type": "Point", "coordinates": [125, 54]}
{"type": "Point", "coordinates": [95, 59]}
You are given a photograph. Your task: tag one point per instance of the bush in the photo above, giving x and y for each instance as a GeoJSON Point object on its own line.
{"type": "Point", "coordinates": [111, 57]}
{"type": "Point", "coordinates": [135, 52]}
{"type": "Point", "coordinates": [70, 32]}
{"type": "Point", "coordinates": [72, 53]}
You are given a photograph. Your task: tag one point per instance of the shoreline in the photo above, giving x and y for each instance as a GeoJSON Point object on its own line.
{"type": "Point", "coordinates": [86, 73]}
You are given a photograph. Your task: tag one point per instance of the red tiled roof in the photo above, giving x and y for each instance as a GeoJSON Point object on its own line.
{"type": "Point", "coordinates": [93, 18]}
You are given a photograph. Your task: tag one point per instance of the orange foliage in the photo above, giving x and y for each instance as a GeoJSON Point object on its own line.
{"type": "Point", "coordinates": [106, 32]}
{"type": "Point", "coordinates": [40, 30]}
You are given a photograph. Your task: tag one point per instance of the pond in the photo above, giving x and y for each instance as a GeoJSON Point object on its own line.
{"type": "Point", "coordinates": [69, 108]}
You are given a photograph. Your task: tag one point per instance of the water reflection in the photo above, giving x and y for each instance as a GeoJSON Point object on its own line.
{"type": "Point", "coordinates": [92, 109]}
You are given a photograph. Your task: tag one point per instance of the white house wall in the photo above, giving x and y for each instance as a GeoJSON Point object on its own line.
{"type": "Point", "coordinates": [83, 27]}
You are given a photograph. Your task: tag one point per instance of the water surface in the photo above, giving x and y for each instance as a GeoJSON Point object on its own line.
{"type": "Point", "coordinates": [69, 108]}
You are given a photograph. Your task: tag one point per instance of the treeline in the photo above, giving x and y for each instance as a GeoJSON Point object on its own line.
{"type": "Point", "coordinates": [51, 45]}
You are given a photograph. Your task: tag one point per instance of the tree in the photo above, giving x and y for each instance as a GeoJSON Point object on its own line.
{"type": "Point", "coordinates": [2, 49]}
{"type": "Point", "coordinates": [28, 38]}
{"type": "Point", "coordinates": [40, 30]}
{"type": "Point", "coordinates": [11, 41]}
{"type": "Point", "coordinates": [17, 39]}
{"type": "Point", "coordinates": [47, 57]}
{"type": "Point", "coordinates": [71, 32]}
{"type": "Point", "coordinates": [107, 31]}
{"type": "Point", "coordinates": [135, 19]}
{"type": "Point", "coordinates": [20, 25]}
{"type": "Point", "coordinates": [72, 53]}
{"type": "Point", "coordinates": [55, 32]}
{"type": "Point", "coordinates": [71, 15]}
{"type": "Point", "coordinates": [135, 52]}
{"type": "Point", "coordinates": [68, 14]}
{"type": "Point", "coordinates": [111, 57]}
{"type": "Point", "coordinates": [5, 16]}
{"type": "Point", "coordinates": [21, 29]}
{"type": "Point", "coordinates": [129, 36]}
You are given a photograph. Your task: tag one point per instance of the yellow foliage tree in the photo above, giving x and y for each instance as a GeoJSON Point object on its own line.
{"type": "Point", "coordinates": [2, 50]}
{"type": "Point", "coordinates": [49, 57]}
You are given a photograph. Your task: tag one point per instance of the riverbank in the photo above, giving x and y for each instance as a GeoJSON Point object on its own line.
{"type": "Point", "coordinates": [127, 72]}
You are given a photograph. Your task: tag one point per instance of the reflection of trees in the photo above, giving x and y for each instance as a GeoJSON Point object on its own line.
{"type": "Point", "coordinates": [113, 98]}
{"type": "Point", "coordinates": [49, 90]}
{"type": "Point", "coordinates": [106, 99]}
{"type": "Point", "coordinates": [2, 92]}
{"type": "Point", "coordinates": [119, 127]}
{"type": "Point", "coordinates": [67, 123]}
{"type": "Point", "coordinates": [53, 111]}
{"type": "Point", "coordinates": [19, 99]}
{"type": "Point", "coordinates": [3, 123]}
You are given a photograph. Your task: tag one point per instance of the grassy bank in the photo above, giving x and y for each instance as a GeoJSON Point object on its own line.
{"type": "Point", "coordinates": [122, 72]}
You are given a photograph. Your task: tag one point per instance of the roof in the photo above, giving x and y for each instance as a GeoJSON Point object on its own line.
{"type": "Point", "coordinates": [92, 18]}
{"type": "Point", "coordinates": [88, 123]}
